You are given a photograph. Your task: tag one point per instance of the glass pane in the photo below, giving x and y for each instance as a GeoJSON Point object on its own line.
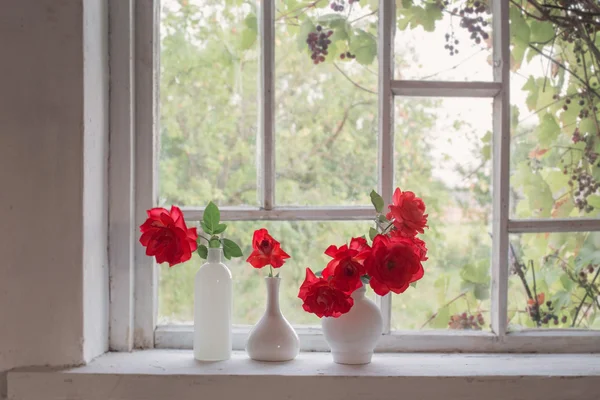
{"type": "Point", "coordinates": [304, 241]}
{"type": "Point", "coordinates": [554, 280]}
{"type": "Point", "coordinates": [443, 154]}
{"type": "Point", "coordinates": [326, 103]}
{"type": "Point", "coordinates": [208, 107]}
{"type": "Point", "coordinates": [443, 40]}
{"type": "Point", "coordinates": [555, 141]}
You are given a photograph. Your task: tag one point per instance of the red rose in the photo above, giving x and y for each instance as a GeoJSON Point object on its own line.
{"type": "Point", "coordinates": [323, 299]}
{"type": "Point", "coordinates": [166, 236]}
{"type": "Point", "coordinates": [408, 213]}
{"type": "Point", "coordinates": [267, 251]}
{"type": "Point", "coordinates": [393, 264]}
{"type": "Point", "coordinates": [347, 266]}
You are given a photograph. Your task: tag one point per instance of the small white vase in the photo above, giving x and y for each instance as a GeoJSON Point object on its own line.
{"type": "Point", "coordinates": [273, 338]}
{"type": "Point", "coordinates": [212, 309]}
{"type": "Point", "coordinates": [352, 336]}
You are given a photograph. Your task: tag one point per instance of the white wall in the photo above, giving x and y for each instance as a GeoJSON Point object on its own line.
{"type": "Point", "coordinates": [53, 151]}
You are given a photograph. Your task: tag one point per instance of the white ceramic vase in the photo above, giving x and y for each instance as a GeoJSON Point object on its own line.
{"type": "Point", "coordinates": [273, 338]}
{"type": "Point", "coordinates": [212, 309]}
{"type": "Point", "coordinates": [352, 336]}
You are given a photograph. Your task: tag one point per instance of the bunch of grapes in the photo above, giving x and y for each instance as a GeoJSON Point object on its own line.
{"type": "Point", "coordinates": [545, 316]}
{"type": "Point", "coordinates": [583, 183]}
{"type": "Point", "coordinates": [584, 273]}
{"type": "Point", "coordinates": [318, 42]}
{"type": "Point", "coordinates": [338, 5]}
{"type": "Point", "coordinates": [464, 321]}
{"type": "Point", "coordinates": [587, 186]}
{"type": "Point", "coordinates": [472, 19]}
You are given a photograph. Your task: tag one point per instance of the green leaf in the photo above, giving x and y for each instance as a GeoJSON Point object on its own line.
{"type": "Point", "coordinates": [479, 273]}
{"type": "Point", "coordinates": [441, 319]}
{"type": "Point", "coordinates": [340, 30]}
{"type": "Point", "coordinates": [203, 251]}
{"type": "Point", "coordinates": [377, 201]}
{"type": "Point", "coordinates": [231, 249]}
{"type": "Point", "coordinates": [518, 53]}
{"type": "Point", "coordinates": [372, 233]}
{"type": "Point", "coordinates": [536, 191]}
{"type": "Point", "coordinates": [566, 282]}
{"type": "Point", "coordinates": [561, 299]}
{"type": "Point", "coordinates": [364, 47]}
{"type": "Point", "coordinates": [219, 229]}
{"type": "Point", "coordinates": [211, 218]}
{"type": "Point", "coordinates": [518, 25]}
{"type": "Point", "coordinates": [413, 285]}
{"type": "Point", "coordinates": [541, 31]}
{"type": "Point", "coordinates": [248, 38]}
{"type": "Point", "coordinates": [214, 243]}
{"type": "Point", "coordinates": [594, 201]}
{"type": "Point", "coordinates": [481, 292]}
{"type": "Point", "coordinates": [486, 152]}
{"type": "Point", "coordinates": [251, 22]}
{"type": "Point", "coordinates": [205, 228]}
{"type": "Point", "coordinates": [547, 131]}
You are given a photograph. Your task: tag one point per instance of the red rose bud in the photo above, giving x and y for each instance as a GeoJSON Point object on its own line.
{"type": "Point", "coordinates": [322, 298]}
{"type": "Point", "coordinates": [267, 251]}
{"type": "Point", "coordinates": [166, 236]}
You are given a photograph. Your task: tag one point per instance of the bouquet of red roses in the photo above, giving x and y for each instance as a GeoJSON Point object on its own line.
{"type": "Point", "coordinates": [391, 263]}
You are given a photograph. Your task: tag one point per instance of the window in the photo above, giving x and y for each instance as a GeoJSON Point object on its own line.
{"type": "Point", "coordinates": [461, 101]}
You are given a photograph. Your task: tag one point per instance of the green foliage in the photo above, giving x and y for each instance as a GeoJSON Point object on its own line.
{"type": "Point", "coordinates": [203, 251]}
{"type": "Point", "coordinates": [372, 233]}
{"type": "Point", "coordinates": [377, 201]}
{"type": "Point", "coordinates": [231, 249]}
{"type": "Point", "coordinates": [211, 225]}
{"type": "Point", "coordinates": [211, 218]}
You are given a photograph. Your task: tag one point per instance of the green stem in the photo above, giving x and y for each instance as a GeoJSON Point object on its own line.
{"type": "Point", "coordinates": [271, 273]}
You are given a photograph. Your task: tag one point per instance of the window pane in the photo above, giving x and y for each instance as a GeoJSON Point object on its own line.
{"type": "Point", "coordinates": [304, 241]}
{"type": "Point", "coordinates": [326, 111]}
{"type": "Point", "coordinates": [555, 136]}
{"type": "Point", "coordinates": [208, 107]}
{"type": "Point", "coordinates": [554, 280]}
{"type": "Point", "coordinates": [443, 154]}
{"type": "Point", "coordinates": [443, 40]}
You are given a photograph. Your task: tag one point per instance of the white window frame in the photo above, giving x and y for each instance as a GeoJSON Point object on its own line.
{"type": "Point", "coordinates": [134, 115]}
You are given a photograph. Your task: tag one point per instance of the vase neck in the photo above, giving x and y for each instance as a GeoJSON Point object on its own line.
{"type": "Point", "coordinates": [214, 255]}
{"type": "Point", "coordinates": [359, 293]}
{"type": "Point", "coordinates": [273, 296]}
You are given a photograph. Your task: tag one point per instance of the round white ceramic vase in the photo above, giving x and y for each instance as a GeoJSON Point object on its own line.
{"type": "Point", "coordinates": [273, 338]}
{"type": "Point", "coordinates": [352, 336]}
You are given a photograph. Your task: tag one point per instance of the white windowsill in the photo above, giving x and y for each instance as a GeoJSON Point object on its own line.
{"type": "Point", "coordinates": [174, 374]}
